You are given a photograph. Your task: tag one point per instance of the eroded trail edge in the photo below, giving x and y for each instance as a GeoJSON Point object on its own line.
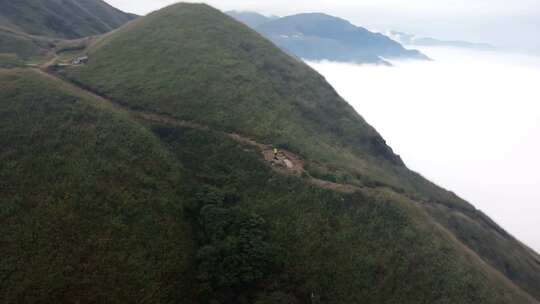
{"type": "Point", "coordinates": [285, 162]}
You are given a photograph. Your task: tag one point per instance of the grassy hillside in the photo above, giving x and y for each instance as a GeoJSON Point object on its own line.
{"type": "Point", "coordinates": [84, 194]}
{"type": "Point", "coordinates": [23, 46]}
{"type": "Point", "coordinates": [61, 19]}
{"type": "Point", "coordinates": [192, 62]}
{"type": "Point", "coordinates": [239, 82]}
{"type": "Point", "coordinates": [98, 206]}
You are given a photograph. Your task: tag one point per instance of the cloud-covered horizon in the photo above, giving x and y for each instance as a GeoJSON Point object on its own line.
{"type": "Point", "coordinates": [285, 6]}
{"type": "Point", "coordinates": [469, 121]}
{"type": "Point", "coordinates": [509, 24]}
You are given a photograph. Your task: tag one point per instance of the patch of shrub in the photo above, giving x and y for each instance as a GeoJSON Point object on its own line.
{"type": "Point", "coordinates": [235, 254]}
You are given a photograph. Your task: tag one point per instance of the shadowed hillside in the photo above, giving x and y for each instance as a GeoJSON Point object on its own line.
{"type": "Point", "coordinates": [61, 19]}
{"type": "Point", "coordinates": [30, 29]}
{"type": "Point", "coordinates": [84, 193]}
{"type": "Point", "coordinates": [21, 46]}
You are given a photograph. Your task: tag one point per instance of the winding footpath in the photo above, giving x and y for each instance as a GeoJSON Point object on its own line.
{"type": "Point", "coordinates": [287, 163]}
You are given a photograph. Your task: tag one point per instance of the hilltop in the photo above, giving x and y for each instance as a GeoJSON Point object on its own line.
{"type": "Point", "coordinates": [143, 174]}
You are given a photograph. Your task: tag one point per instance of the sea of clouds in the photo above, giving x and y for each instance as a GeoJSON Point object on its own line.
{"type": "Point", "coordinates": [469, 121]}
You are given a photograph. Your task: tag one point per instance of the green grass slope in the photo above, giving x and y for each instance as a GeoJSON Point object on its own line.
{"type": "Point", "coordinates": [193, 62]}
{"type": "Point", "coordinates": [61, 19]}
{"type": "Point", "coordinates": [23, 46]}
{"type": "Point", "coordinates": [88, 201]}
{"type": "Point", "coordinates": [369, 247]}
{"type": "Point", "coordinates": [99, 207]}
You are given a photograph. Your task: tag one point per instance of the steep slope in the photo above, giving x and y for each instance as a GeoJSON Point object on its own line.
{"type": "Point", "coordinates": [251, 19]}
{"type": "Point", "coordinates": [230, 78]}
{"type": "Point", "coordinates": [319, 36]}
{"type": "Point", "coordinates": [262, 91]}
{"type": "Point", "coordinates": [84, 191]}
{"type": "Point", "coordinates": [61, 18]}
{"type": "Point", "coordinates": [99, 206]}
{"type": "Point", "coordinates": [217, 72]}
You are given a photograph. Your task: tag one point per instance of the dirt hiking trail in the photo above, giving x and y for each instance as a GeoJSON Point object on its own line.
{"type": "Point", "coordinates": [285, 162]}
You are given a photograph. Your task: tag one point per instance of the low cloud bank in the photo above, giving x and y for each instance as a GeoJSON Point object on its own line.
{"type": "Point", "coordinates": [470, 121]}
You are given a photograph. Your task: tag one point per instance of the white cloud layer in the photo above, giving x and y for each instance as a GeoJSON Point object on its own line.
{"type": "Point", "coordinates": [469, 121]}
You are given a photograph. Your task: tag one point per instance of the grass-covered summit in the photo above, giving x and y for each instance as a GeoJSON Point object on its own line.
{"type": "Point", "coordinates": [125, 185]}
{"type": "Point", "coordinates": [192, 62]}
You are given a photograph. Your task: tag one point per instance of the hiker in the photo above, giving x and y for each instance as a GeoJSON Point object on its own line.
{"type": "Point", "coordinates": [276, 154]}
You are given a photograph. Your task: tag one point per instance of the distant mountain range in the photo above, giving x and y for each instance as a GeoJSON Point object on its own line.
{"type": "Point", "coordinates": [413, 40]}
{"type": "Point", "coordinates": [251, 19]}
{"type": "Point", "coordinates": [317, 36]}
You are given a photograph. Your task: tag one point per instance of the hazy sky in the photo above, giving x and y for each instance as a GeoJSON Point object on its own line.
{"type": "Point", "coordinates": [512, 24]}
{"type": "Point", "coordinates": [469, 121]}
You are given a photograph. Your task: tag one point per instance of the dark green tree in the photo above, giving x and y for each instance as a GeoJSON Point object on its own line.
{"type": "Point", "coordinates": [237, 254]}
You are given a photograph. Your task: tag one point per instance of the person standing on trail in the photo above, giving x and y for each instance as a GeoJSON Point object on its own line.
{"type": "Point", "coordinates": [275, 154]}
